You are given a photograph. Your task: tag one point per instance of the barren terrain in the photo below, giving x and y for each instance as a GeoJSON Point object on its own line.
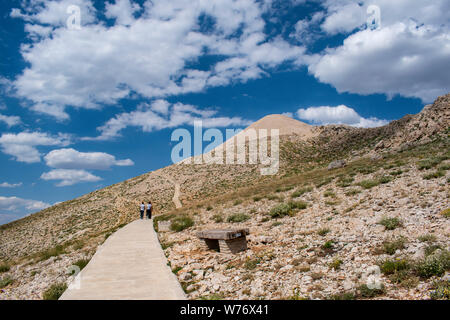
{"type": "Point", "coordinates": [314, 232]}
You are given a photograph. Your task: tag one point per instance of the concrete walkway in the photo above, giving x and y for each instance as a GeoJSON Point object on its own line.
{"type": "Point", "coordinates": [130, 265]}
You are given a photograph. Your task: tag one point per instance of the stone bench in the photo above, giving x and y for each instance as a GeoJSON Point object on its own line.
{"type": "Point", "coordinates": [225, 241]}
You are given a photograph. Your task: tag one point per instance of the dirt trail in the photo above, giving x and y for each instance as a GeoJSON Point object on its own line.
{"type": "Point", "coordinates": [176, 196]}
{"type": "Point", "coordinates": [177, 192]}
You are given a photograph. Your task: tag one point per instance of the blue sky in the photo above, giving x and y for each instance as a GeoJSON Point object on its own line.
{"type": "Point", "coordinates": [89, 98]}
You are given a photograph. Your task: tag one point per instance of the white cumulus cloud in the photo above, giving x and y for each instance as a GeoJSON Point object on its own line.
{"type": "Point", "coordinates": [69, 177]}
{"type": "Point", "coordinates": [12, 208]}
{"type": "Point", "coordinates": [343, 18]}
{"type": "Point", "coordinates": [162, 115]}
{"type": "Point", "coordinates": [122, 11]}
{"type": "Point", "coordinates": [69, 158]}
{"type": "Point", "coordinates": [10, 185]}
{"type": "Point", "coordinates": [147, 52]}
{"type": "Point", "coordinates": [54, 12]}
{"type": "Point", "coordinates": [10, 120]}
{"type": "Point", "coordinates": [23, 146]}
{"type": "Point", "coordinates": [399, 59]}
{"type": "Point", "coordinates": [338, 115]}
{"type": "Point", "coordinates": [408, 55]}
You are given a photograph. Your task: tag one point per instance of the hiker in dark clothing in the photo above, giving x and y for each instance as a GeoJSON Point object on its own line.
{"type": "Point", "coordinates": [149, 210]}
{"type": "Point", "coordinates": [142, 207]}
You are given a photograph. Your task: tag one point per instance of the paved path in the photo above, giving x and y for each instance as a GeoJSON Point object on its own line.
{"type": "Point", "coordinates": [129, 265]}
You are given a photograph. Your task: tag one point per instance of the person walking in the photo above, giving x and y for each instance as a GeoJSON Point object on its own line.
{"type": "Point", "coordinates": [142, 207]}
{"type": "Point", "coordinates": [149, 210]}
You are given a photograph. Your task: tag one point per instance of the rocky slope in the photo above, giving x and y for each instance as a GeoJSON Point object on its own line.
{"type": "Point", "coordinates": [324, 250]}
{"type": "Point", "coordinates": [396, 171]}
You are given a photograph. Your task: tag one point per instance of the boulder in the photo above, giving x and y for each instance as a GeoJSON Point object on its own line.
{"type": "Point", "coordinates": [337, 164]}
{"type": "Point", "coordinates": [185, 276]}
{"type": "Point", "coordinates": [375, 157]}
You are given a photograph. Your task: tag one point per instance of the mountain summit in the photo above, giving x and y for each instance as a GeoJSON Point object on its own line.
{"type": "Point", "coordinates": [286, 125]}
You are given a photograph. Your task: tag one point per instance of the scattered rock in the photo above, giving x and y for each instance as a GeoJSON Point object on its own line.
{"type": "Point", "coordinates": [376, 157]}
{"type": "Point", "coordinates": [185, 276]}
{"type": "Point", "coordinates": [337, 164]}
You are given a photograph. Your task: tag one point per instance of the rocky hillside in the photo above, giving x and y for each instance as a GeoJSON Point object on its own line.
{"type": "Point", "coordinates": [313, 231]}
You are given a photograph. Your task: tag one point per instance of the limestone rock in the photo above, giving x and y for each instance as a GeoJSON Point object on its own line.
{"type": "Point", "coordinates": [337, 164]}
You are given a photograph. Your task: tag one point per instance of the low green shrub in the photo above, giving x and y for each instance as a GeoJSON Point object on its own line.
{"type": "Point", "coordinates": [180, 223]}
{"type": "Point", "coordinates": [390, 247]}
{"type": "Point", "coordinates": [166, 245]}
{"type": "Point", "coordinates": [328, 245]}
{"type": "Point", "coordinates": [343, 296]}
{"type": "Point", "coordinates": [280, 210]}
{"type": "Point", "coordinates": [405, 278]}
{"type": "Point", "coordinates": [384, 179]}
{"type": "Point", "coordinates": [323, 231]}
{"type": "Point", "coordinates": [390, 223]}
{"type": "Point", "coordinates": [329, 193]}
{"type": "Point", "coordinates": [428, 163]}
{"type": "Point", "coordinates": [336, 264]}
{"type": "Point", "coordinates": [4, 267]}
{"type": "Point", "coordinates": [238, 217]}
{"type": "Point", "coordinates": [251, 264]}
{"type": "Point", "coordinates": [6, 281]}
{"type": "Point", "coordinates": [441, 290]}
{"type": "Point", "coordinates": [368, 184]}
{"type": "Point", "coordinates": [82, 263]}
{"type": "Point", "coordinates": [345, 181]}
{"type": "Point", "coordinates": [214, 296]}
{"type": "Point", "coordinates": [427, 238]}
{"type": "Point", "coordinates": [434, 175]}
{"type": "Point", "coordinates": [435, 264]}
{"type": "Point", "coordinates": [284, 209]}
{"type": "Point", "coordinates": [323, 182]}
{"type": "Point", "coordinates": [54, 291]}
{"type": "Point", "coordinates": [52, 252]}
{"type": "Point", "coordinates": [391, 266]}
{"type": "Point", "coordinates": [445, 213]}
{"type": "Point", "coordinates": [431, 248]}
{"type": "Point", "coordinates": [300, 205]}
{"type": "Point", "coordinates": [352, 192]}
{"type": "Point", "coordinates": [284, 188]}
{"type": "Point", "coordinates": [176, 270]}
{"type": "Point", "coordinates": [301, 192]}
{"type": "Point", "coordinates": [367, 169]}
{"type": "Point", "coordinates": [365, 292]}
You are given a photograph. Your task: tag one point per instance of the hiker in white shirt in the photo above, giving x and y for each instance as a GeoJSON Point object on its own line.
{"type": "Point", "coordinates": [142, 207]}
{"type": "Point", "coordinates": [149, 210]}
